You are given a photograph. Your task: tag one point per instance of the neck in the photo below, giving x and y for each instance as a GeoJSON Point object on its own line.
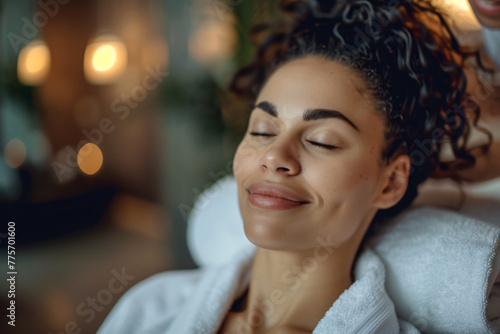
{"type": "Point", "coordinates": [294, 289]}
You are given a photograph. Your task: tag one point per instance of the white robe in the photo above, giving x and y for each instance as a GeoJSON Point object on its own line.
{"type": "Point", "coordinates": [197, 301]}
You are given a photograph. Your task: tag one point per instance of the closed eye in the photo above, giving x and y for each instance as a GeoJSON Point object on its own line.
{"type": "Point", "coordinates": [261, 134]}
{"type": "Point", "coordinates": [325, 146]}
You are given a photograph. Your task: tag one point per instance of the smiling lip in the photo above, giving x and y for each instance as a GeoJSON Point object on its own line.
{"type": "Point", "coordinates": [488, 8]}
{"type": "Point", "coordinates": [274, 197]}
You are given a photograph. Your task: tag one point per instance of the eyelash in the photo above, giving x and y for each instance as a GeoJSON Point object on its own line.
{"type": "Point", "coordinates": [261, 134]}
{"type": "Point", "coordinates": [325, 146]}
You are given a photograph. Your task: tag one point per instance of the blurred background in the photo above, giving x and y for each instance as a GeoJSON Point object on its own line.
{"type": "Point", "coordinates": [111, 125]}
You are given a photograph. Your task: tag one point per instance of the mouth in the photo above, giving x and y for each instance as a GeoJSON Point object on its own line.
{"type": "Point", "coordinates": [269, 196]}
{"type": "Point", "coordinates": [487, 7]}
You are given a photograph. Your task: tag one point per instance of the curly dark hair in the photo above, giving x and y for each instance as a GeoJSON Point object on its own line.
{"type": "Point", "coordinates": [406, 53]}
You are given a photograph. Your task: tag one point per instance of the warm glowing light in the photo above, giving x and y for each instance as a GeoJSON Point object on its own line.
{"type": "Point", "coordinates": [15, 153]}
{"type": "Point", "coordinates": [36, 60]}
{"type": "Point", "coordinates": [33, 64]}
{"type": "Point", "coordinates": [105, 60]}
{"type": "Point", "coordinates": [213, 41]}
{"type": "Point", "coordinates": [90, 159]}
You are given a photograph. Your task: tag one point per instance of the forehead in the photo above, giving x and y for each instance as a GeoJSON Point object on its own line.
{"type": "Point", "coordinates": [315, 82]}
{"type": "Point", "coordinates": [318, 83]}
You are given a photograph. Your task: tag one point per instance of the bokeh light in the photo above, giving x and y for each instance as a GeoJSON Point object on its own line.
{"type": "Point", "coordinates": [90, 159]}
{"type": "Point", "coordinates": [15, 153]}
{"type": "Point", "coordinates": [105, 60]}
{"type": "Point", "coordinates": [33, 63]}
{"type": "Point", "coordinates": [213, 41]}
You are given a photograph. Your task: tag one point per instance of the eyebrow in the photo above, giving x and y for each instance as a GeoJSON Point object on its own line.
{"type": "Point", "coordinates": [268, 108]}
{"type": "Point", "coordinates": [309, 114]}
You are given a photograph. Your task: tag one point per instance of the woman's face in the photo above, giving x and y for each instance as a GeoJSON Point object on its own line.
{"type": "Point", "coordinates": [310, 164]}
{"type": "Point", "coordinates": [487, 12]}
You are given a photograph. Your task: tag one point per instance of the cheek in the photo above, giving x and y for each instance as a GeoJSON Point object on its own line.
{"type": "Point", "coordinates": [244, 157]}
{"type": "Point", "coordinates": [352, 176]}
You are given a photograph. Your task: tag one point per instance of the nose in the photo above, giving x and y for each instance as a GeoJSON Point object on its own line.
{"type": "Point", "coordinates": [280, 158]}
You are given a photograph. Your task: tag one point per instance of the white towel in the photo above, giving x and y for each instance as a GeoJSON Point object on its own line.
{"type": "Point", "coordinates": [197, 301]}
{"type": "Point", "coordinates": [434, 256]}
{"type": "Point", "coordinates": [215, 228]}
{"type": "Point", "coordinates": [441, 269]}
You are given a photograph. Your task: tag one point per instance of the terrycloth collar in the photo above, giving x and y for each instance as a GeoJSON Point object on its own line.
{"type": "Point", "coordinates": [214, 296]}
{"type": "Point", "coordinates": [363, 308]}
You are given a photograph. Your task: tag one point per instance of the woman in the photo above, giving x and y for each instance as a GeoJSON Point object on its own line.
{"type": "Point", "coordinates": [487, 165]}
{"type": "Point", "coordinates": [351, 102]}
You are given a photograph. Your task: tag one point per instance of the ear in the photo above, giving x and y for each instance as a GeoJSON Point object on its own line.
{"type": "Point", "coordinates": [395, 182]}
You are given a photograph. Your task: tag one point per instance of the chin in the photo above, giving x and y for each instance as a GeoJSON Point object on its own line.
{"type": "Point", "coordinates": [271, 235]}
{"type": "Point", "coordinates": [262, 234]}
